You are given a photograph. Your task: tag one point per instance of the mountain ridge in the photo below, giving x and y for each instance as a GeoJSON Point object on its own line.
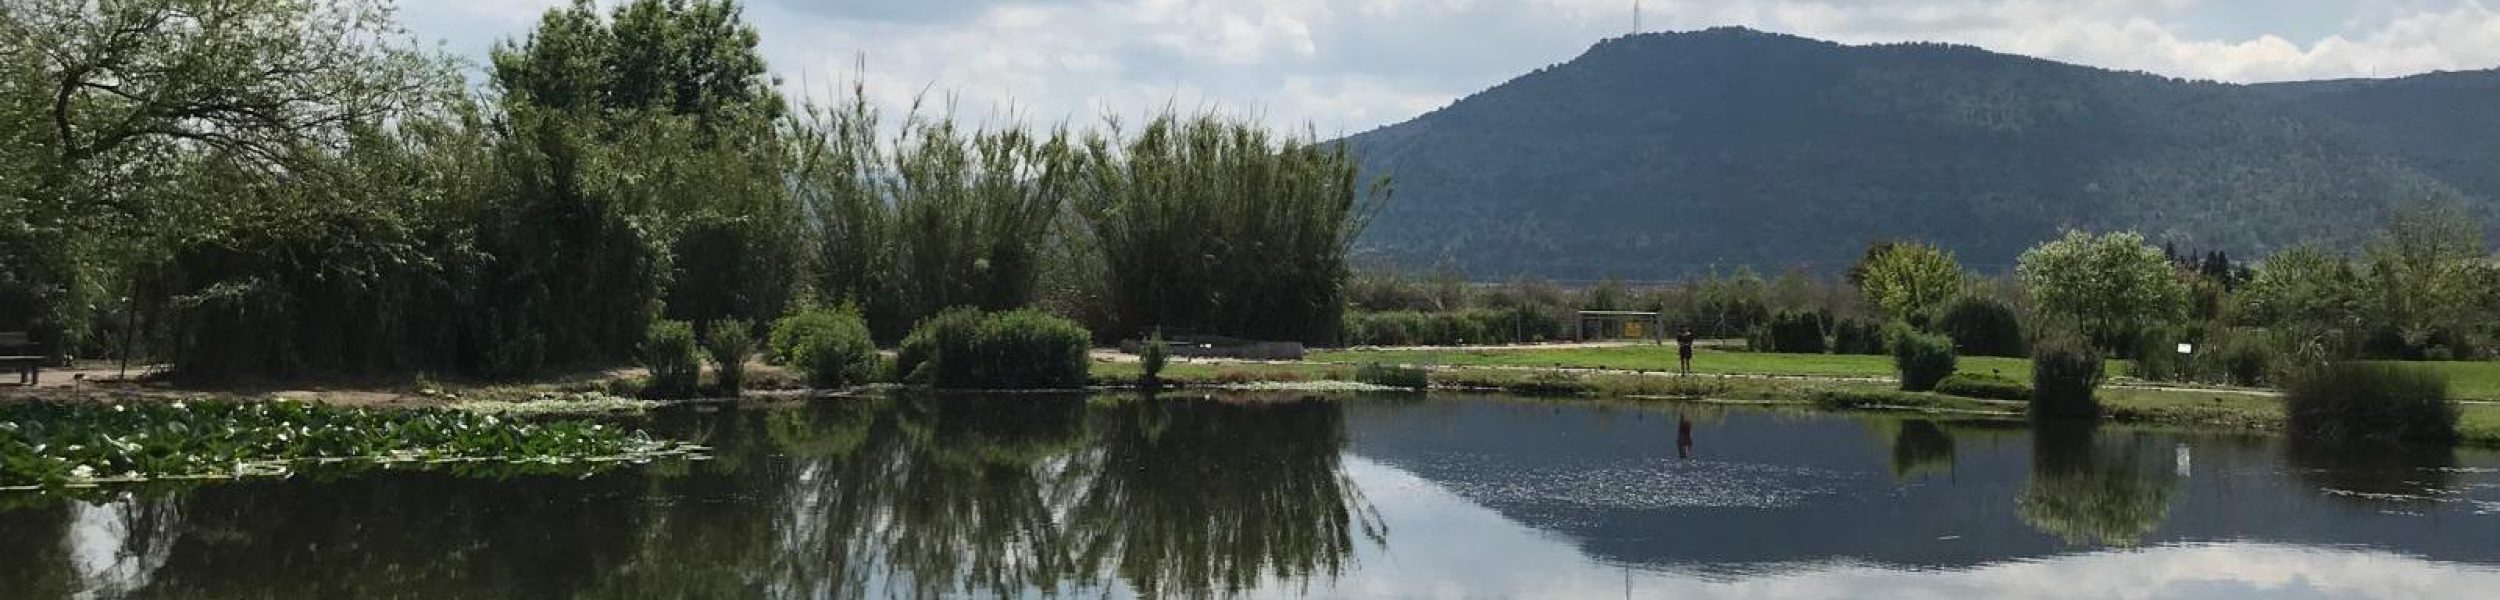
{"type": "Point", "coordinates": [1670, 154]}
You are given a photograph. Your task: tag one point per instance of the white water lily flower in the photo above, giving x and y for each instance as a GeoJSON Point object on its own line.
{"type": "Point", "coordinates": [178, 405]}
{"type": "Point", "coordinates": [117, 408]}
{"type": "Point", "coordinates": [82, 472]}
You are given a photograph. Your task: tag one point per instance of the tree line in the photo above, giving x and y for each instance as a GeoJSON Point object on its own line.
{"type": "Point", "coordinates": [286, 188]}
{"type": "Point", "coordinates": [2423, 287]}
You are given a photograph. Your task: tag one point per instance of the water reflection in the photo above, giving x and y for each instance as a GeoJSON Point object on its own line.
{"type": "Point", "coordinates": [1920, 448]}
{"type": "Point", "coordinates": [2375, 473]}
{"type": "Point", "coordinates": [1285, 496]}
{"type": "Point", "coordinates": [2090, 488]}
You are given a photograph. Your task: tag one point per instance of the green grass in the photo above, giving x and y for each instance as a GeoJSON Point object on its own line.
{"type": "Point", "coordinates": [1662, 358]}
{"type": "Point", "coordinates": [2468, 380]}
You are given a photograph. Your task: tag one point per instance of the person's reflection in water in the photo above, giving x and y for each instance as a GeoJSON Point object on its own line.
{"type": "Point", "coordinates": [1683, 436]}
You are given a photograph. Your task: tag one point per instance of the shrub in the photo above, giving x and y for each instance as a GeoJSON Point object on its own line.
{"type": "Point", "coordinates": [728, 342]}
{"type": "Point", "coordinates": [1409, 378]}
{"type": "Point", "coordinates": [1991, 387]}
{"type": "Point", "coordinates": [1020, 349]}
{"type": "Point", "coordinates": [1981, 326]}
{"type": "Point", "coordinates": [1857, 336]}
{"type": "Point", "coordinates": [1923, 359]}
{"type": "Point", "coordinates": [1550, 383]}
{"type": "Point", "coordinates": [831, 346]}
{"type": "Point", "coordinates": [2065, 370]}
{"type": "Point", "coordinates": [1150, 359]}
{"type": "Point", "coordinates": [668, 351]}
{"type": "Point", "coordinates": [2242, 360]}
{"type": "Point", "coordinates": [2371, 402]}
{"type": "Point", "coordinates": [1797, 332]}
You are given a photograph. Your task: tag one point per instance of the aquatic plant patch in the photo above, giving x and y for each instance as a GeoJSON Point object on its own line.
{"type": "Point", "coordinates": [70, 444]}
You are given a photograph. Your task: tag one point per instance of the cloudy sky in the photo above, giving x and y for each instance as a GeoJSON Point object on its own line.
{"type": "Point", "coordinates": [1343, 66]}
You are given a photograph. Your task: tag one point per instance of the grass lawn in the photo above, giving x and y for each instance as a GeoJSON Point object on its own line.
{"type": "Point", "coordinates": [1662, 358]}
{"type": "Point", "coordinates": [2470, 380]}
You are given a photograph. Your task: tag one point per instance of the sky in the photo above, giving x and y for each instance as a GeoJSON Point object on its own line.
{"type": "Point", "coordinates": [1346, 66]}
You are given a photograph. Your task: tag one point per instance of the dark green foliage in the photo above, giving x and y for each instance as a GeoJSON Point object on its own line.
{"type": "Point", "coordinates": [1151, 356]}
{"type": "Point", "coordinates": [1586, 169]}
{"type": "Point", "coordinates": [2065, 372]}
{"type": "Point", "coordinates": [53, 444]}
{"type": "Point", "coordinates": [1922, 359]}
{"type": "Point", "coordinates": [1989, 387]}
{"type": "Point", "coordinates": [668, 350]}
{"type": "Point", "coordinates": [1857, 336]}
{"type": "Point", "coordinates": [2370, 402]}
{"type": "Point", "coordinates": [728, 343]}
{"type": "Point", "coordinates": [1981, 326]}
{"type": "Point", "coordinates": [2218, 355]}
{"type": "Point", "coordinates": [1470, 327]}
{"type": "Point", "coordinates": [1218, 227]}
{"type": "Point", "coordinates": [1019, 349]}
{"type": "Point", "coordinates": [1408, 378]}
{"type": "Point", "coordinates": [831, 346]}
{"type": "Point", "coordinates": [1550, 384]}
{"type": "Point", "coordinates": [1796, 332]}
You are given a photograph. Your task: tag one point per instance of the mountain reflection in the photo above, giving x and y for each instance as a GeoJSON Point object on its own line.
{"type": "Point", "coordinates": [874, 497]}
{"type": "Point", "coordinates": [2090, 487]}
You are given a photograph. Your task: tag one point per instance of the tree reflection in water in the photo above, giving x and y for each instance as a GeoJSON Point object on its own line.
{"type": "Point", "coordinates": [1920, 447]}
{"type": "Point", "coordinates": [870, 497]}
{"type": "Point", "coordinates": [2372, 473]}
{"type": "Point", "coordinates": [2088, 487]}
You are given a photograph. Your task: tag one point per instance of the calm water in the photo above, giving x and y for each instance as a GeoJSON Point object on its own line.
{"type": "Point", "coordinates": [1278, 496]}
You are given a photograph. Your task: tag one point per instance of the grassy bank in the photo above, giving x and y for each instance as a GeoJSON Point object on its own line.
{"type": "Point", "coordinates": [1662, 358]}
{"type": "Point", "coordinates": [2479, 425]}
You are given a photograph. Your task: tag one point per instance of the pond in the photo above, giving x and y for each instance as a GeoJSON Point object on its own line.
{"type": "Point", "coordinates": [1279, 495]}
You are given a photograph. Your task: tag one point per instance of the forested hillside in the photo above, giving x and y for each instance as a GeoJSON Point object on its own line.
{"type": "Point", "coordinates": [1664, 155]}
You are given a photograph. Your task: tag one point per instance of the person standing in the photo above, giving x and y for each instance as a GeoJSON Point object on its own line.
{"type": "Point", "coordinates": [1684, 350]}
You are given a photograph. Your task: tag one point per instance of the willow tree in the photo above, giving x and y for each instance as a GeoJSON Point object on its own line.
{"type": "Point", "coordinates": [1216, 226]}
{"type": "Point", "coordinates": [1907, 279]}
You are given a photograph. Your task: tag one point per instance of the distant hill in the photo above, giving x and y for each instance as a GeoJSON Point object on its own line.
{"type": "Point", "coordinates": [1663, 155]}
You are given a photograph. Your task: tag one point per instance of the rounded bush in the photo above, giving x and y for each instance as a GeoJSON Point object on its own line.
{"type": "Point", "coordinates": [1981, 326]}
{"type": "Point", "coordinates": [668, 351]}
{"type": "Point", "coordinates": [2065, 371]}
{"type": "Point", "coordinates": [831, 346]}
{"type": "Point", "coordinates": [2371, 402]}
{"type": "Point", "coordinates": [1923, 359]}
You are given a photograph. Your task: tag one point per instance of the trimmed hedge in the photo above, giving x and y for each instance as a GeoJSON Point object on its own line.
{"type": "Point", "coordinates": [2371, 402]}
{"type": "Point", "coordinates": [2065, 371]}
{"type": "Point", "coordinates": [831, 346]}
{"type": "Point", "coordinates": [1990, 387]}
{"type": "Point", "coordinates": [1857, 336]}
{"type": "Point", "coordinates": [1393, 376]}
{"type": "Point", "coordinates": [1981, 326]}
{"type": "Point", "coordinates": [1922, 359]}
{"type": "Point", "coordinates": [1451, 328]}
{"type": "Point", "coordinates": [1021, 349]}
{"type": "Point", "coordinates": [1796, 332]}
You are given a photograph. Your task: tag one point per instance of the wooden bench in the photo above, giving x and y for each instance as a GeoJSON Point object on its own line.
{"type": "Point", "coordinates": [19, 352]}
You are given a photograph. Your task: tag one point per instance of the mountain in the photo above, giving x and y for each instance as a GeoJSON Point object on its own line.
{"type": "Point", "coordinates": [1664, 155]}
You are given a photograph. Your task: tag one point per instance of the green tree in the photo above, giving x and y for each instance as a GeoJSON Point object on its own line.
{"type": "Point", "coordinates": [1907, 279]}
{"type": "Point", "coordinates": [2425, 272]}
{"type": "Point", "coordinates": [2114, 286]}
{"type": "Point", "coordinates": [102, 101]}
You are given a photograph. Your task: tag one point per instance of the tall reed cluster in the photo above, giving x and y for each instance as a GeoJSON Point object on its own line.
{"type": "Point", "coordinates": [1195, 224]}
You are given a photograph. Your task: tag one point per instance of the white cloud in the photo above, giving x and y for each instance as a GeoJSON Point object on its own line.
{"type": "Point", "coordinates": [1352, 65]}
